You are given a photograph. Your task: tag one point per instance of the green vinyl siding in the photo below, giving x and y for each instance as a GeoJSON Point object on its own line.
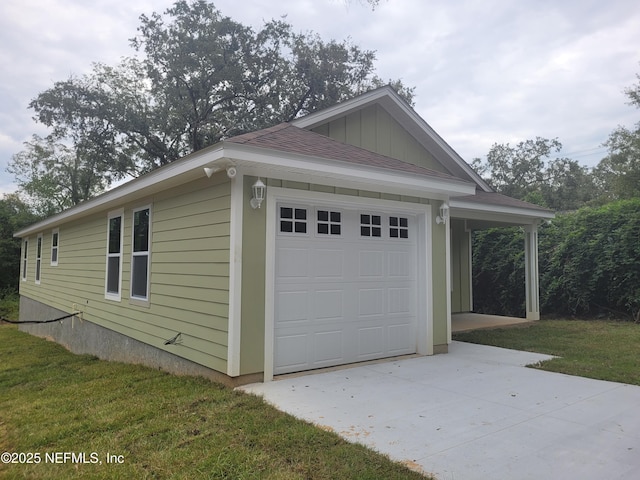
{"type": "Point", "coordinates": [254, 232]}
{"type": "Point", "coordinates": [440, 287]}
{"type": "Point", "coordinates": [460, 267]}
{"type": "Point", "coordinates": [372, 128]}
{"type": "Point", "coordinates": [189, 273]}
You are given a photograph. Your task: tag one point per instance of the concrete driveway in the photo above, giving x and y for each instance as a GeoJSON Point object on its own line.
{"type": "Point", "coordinates": [475, 413]}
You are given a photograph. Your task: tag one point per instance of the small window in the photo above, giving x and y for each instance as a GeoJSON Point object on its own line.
{"type": "Point", "coordinates": [398, 227]}
{"type": "Point", "coordinates": [114, 256]}
{"type": "Point", "coordinates": [329, 223]}
{"type": "Point", "coordinates": [293, 220]}
{"type": "Point", "coordinates": [25, 256]}
{"type": "Point", "coordinates": [38, 258]}
{"type": "Point", "coordinates": [140, 253]}
{"type": "Point", "coordinates": [55, 240]}
{"type": "Point", "coordinates": [370, 225]}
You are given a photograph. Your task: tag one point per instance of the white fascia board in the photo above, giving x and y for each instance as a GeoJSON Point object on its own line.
{"type": "Point", "coordinates": [499, 213]}
{"type": "Point", "coordinates": [289, 166]}
{"type": "Point", "coordinates": [176, 173]}
{"type": "Point", "coordinates": [326, 115]}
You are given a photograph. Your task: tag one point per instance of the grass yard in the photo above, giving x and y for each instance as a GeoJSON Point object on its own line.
{"type": "Point", "coordinates": [152, 425]}
{"type": "Point", "coordinates": [605, 350]}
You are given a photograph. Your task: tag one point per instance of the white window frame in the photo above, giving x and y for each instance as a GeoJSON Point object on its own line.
{"type": "Point", "coordinates": [137, 299]}
{"type": "Point", "coordinates": [107, 294]}
{"type": "Point", "coordinates": [25, 259]}
{"type": "Point", "coordinates": [55, 233]}
{"type": "Point", "coordinates": [38, 276]}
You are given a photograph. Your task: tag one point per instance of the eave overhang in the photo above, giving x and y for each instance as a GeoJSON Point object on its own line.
{"type": "Point", "coordinates": [484, 215]}
{"type": "Point", "coordinates": [257, 161]}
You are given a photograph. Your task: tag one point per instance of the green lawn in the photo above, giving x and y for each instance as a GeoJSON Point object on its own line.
{"type": "Point", "coordinates": [605, 350]}
{"type": "Point", "coordinates": [157, 425]}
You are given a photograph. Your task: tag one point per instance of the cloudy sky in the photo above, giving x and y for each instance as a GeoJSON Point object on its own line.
{"type": "Point", "coordinates": [484, 71]}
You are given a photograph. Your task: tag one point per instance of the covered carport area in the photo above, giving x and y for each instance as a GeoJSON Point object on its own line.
{"type": "Point", "coordinates": [490, 210]}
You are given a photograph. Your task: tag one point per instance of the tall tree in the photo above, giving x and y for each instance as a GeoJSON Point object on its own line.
{"type": "Point", "coordinates": [55, 176]}
{"type": "Point", "coordinates": [618, 174]}
{"type": "Point", "coordinates": [199, 77]}
{"type": "Point", "coordinates": [14, 214]}
{"type": "Point", "coordinates": [527, 172]}
{"type": "Point", "coordinates": [567, 185]}
{"type": "Point", "coordinates": [517, 171]}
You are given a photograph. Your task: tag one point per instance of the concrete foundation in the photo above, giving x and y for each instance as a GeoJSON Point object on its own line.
{"type": "Point", "coordinates": [84, 337]}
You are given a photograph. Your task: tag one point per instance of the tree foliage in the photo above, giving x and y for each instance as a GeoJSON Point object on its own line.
{"type": "Point", "coordinates": [589, 257]}
{"type": "Point", "coordinates": [593, 261]}
{"type": "Point", "coordinates": [197, 77]}
{"type": "Point", "coordinates": [498, 271]}
{"type": "Point", "coordinates": [589, 263]}
{"type": "Point", "coordinates": [527, 172]}
{"type": "Point", "coordinates": [14, 214]}
{"type": "Point", "coordinates": [619, 172]}
{"type": "Point", "coordinates": [55, 176]}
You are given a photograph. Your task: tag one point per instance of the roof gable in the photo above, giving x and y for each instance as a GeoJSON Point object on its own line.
{"type": "Point", "coordinates": [408, 119]}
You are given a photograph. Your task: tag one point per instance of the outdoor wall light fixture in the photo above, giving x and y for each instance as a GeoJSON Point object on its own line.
{"type": "Point", "coordinates": [257, 191]}
{"type": "Point", "coordinates": [444, 213]}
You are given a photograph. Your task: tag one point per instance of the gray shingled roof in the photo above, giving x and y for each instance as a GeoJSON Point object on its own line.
{"type": "Point", "coordinates": [492, 198]}
{"type": "Point", "coordinates": [288, 138]}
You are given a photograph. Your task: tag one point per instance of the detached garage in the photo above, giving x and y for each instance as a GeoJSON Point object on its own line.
{"type": "Point", "coordinates": [325, 241]}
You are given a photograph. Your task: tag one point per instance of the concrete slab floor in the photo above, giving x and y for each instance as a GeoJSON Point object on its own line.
{"type": "Point", "coordinates": [474, 413]}
{"type": "Point", "coordinates": [462, 322]}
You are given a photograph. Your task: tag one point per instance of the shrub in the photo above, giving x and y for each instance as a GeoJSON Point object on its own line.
{"type": "Point", "coordinates": [592, 262]}
{"type": "Point", "coordinates": [589, 263]}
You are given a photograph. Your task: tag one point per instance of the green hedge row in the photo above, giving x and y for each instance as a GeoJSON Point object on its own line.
{"type": "Point", "coordinates": [589, 264]}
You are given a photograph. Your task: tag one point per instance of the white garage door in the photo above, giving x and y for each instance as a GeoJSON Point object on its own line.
{"type": "Point", "coordinates": [346, 286]}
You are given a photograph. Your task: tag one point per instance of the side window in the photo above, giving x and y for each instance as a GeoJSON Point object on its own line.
{"type": "Point", "coordinates": [329, 222]}
{"type": "Point", "coordinates": [398, 227]}
{"type": "Point", "coordinates": [114, 256]}
{"type": "Point", "coordinates": [140, 253]}
{"type": "Point", "coordinates": [55, 245]}
{"type": "Point", "coordinates": [25, 256]}
{"type": "Point", "coordinates": [370, 225]}
{"type": "Point", "coordinates": [292, 220]}
{"type": "Point", "coordinates": [38, 258]}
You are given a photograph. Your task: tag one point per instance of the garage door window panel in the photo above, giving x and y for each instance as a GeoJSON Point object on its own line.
{"type": "Point", "coordinates": [398, 227]}
{"type": "Point", "coordinates": [293, 220]}
{"type": "Point", "coordinates": [328, 222]}
{"type": "Point", "coordinates": [370, 225]}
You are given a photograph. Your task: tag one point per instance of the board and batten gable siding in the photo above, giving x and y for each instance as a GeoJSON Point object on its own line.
{"type": "Point", "coordinates": [189, 272]}
{"type": "Point", "coordinates": [373, 129]}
